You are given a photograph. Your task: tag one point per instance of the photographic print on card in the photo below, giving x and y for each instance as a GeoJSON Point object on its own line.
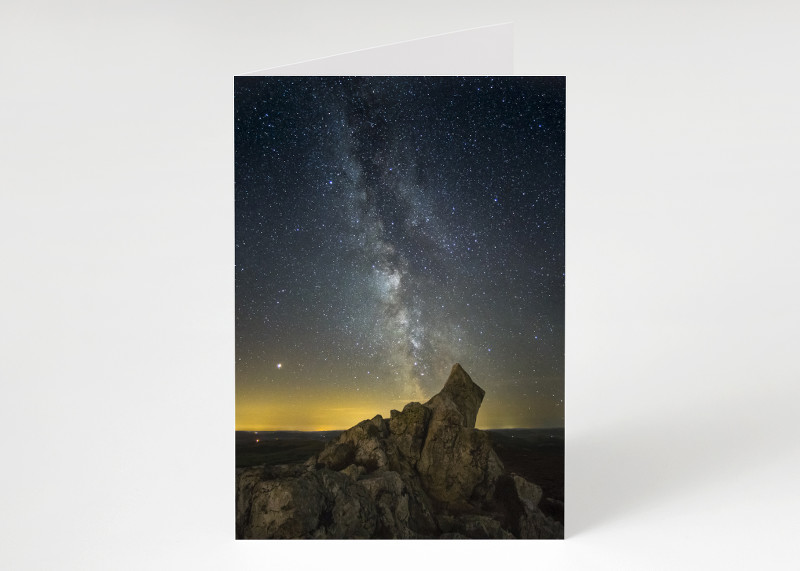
{"type": "Point", "coordinates": [399, 307]}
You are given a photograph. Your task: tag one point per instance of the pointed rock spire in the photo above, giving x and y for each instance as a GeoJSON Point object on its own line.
{"type": "Point", "coordinates": [463, 393]}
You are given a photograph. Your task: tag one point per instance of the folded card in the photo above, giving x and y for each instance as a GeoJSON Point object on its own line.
{"type": "Point", "coordinates": [400, 296]}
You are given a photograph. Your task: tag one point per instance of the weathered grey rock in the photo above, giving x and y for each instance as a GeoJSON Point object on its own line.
{"type": "Point", "coordinates": [361, 444]}
{"type": "Point", "coordinates": [452, 535]}
{"type": "Point", "coordinates": [409, 429]}
{"type": "Point", "coordinates": [528, 493]}
{"type": "Point", "coordinates": [310, 464]}
{"type": "Point", "coordinates": [246, 481]}
{"type": "Point", "coordinates": [319, 504]}
{"type": "Point", "coordinates": [520, 500]}
{"type": "Point", "coordinates": [349, 512]}
{"type": "Point", "coordinates": [381, 424]}
{"type": "Point", "coordinates": [536, 525]}
{"type": "Point", "coordinates": [285, 508]}
{"type": "Point", "coordinates": [337, 455]}
{"type": "Point", "coordinates": [283, 471]}
{"type": "Point", "coordinates": [353, 471]}
{"type": "Point", "coordinates": [457, 462]}
{"type": "Point", "coordinates": [464, 394]}
{"type": "Point", "coordinates": [391, 499]}
{"type": "Point", "coordinates": [473, 526]}
{"type": "Point", "coordinates": [484, 527]}
{"type": "Point", "coordinates": [422, 519]}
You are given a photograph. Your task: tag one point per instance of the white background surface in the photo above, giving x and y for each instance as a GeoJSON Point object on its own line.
{"type": "Point", "coordinates": [116, 241]}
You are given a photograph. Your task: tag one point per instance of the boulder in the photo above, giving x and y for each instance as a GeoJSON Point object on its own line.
{"type": "Point", "coordinates": [353, 471]}
{"type": "Point", "coordinates": [520, 500]}
{"type": "Point", "coordinates": [457, 462]}
{"type": "Point", "coordinates": [408, 430]}
{"type": "Point", "coordinates": [337, 456]}
{"type": "Point", "coordinates": [320, 504]}
{"type": "Point", "coordinates": [285, 508]}
{"type": "Point", "coordinates": [391, 499]}
{"type": "Point", "coordinates": [362, 444]}
{"type": "Point", "coordinates": [246, 481]}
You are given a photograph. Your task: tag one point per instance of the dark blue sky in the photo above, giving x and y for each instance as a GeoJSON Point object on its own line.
{"type": "Point", "coordinates": [387, 228]}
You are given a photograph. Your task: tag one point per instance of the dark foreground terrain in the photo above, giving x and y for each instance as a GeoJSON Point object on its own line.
{"type": "Point", "coordinates": [284, 447]}
{"type": "Point", "coordinates": [534, 453]}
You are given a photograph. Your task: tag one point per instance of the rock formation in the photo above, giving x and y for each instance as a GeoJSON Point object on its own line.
{"type": "Point", "coordinates": [426, 472]}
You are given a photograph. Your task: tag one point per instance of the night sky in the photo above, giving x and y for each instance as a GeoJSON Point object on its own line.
{"type": "Point", "coordinates": [387, 228]}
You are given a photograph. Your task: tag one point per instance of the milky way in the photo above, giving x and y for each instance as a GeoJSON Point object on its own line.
{"type": "Point", "coordinates": [387, 228]}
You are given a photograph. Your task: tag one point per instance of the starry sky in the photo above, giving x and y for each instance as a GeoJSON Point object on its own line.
{"type": "Point", "coordinates": [389, 227]}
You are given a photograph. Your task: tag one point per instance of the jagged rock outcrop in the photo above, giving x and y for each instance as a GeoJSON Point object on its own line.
{"type": "Point", "coordinates": [457, 462]}
{"type": "Point", "coordinates": [426, 472]}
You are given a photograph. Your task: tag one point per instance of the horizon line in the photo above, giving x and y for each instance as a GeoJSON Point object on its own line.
{"type": "Point", "coordinates": [326, 429]}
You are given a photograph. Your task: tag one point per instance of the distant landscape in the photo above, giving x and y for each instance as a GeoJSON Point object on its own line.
{"type": "Point", "coordinates": [270, 448]}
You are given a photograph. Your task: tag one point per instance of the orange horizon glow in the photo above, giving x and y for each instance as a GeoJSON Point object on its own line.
{"type": "Point", "coordinates": [322, 412]}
